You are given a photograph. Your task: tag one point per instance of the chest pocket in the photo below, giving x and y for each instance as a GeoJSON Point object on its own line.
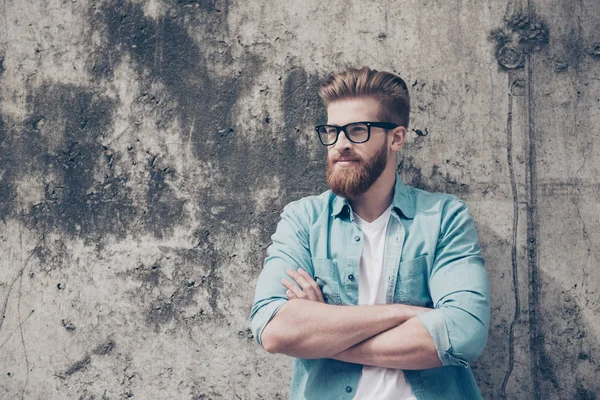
{"type": "Point", "coordinates": [412, 284]}
{"type": "Point", "coordinates": [327, 278]}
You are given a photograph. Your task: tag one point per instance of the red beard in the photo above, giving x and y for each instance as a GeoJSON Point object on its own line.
{"type": "Point", "coordinates": [352, 181]}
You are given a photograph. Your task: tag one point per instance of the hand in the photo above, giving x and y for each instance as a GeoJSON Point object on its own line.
{"type": "Point", "coordinates": [308, 290]}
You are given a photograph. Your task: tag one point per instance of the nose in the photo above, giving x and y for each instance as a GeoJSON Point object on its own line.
{"type": "Point", "coordinates": [342, 142]}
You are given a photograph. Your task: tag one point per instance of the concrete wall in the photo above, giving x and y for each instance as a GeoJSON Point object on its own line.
{"type": "Point", "coordinates": [147, 148]}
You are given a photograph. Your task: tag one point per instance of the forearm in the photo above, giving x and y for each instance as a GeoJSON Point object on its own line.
{"type": "Point", "coordinates": [309, 329]}
{"type": "Point", "coordinates": [408, 346]}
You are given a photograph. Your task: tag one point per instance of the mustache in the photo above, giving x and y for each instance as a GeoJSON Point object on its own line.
{"type": "Point", "coordinates": [345, 156]}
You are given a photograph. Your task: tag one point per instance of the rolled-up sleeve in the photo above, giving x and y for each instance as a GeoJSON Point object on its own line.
{"type": "Point", "coordinates": [459, 288]}
{"type": "Point", "coordinates": [290, 249]}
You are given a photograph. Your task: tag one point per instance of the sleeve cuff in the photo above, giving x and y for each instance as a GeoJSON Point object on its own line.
{"type": "Point", "coordinates": [433, 321]}
{"type": "Point", "coordinates": [262, 316]}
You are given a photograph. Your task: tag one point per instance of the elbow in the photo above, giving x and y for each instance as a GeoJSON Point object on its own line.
{"type": "Point", "coordinates": [270, 342]}
{"type": "Point", "coordinates": [265, 326]}
{"type": "Point", "coordinates": [273, 338]}
{"type": "Point", "coordinates": [471, 346]}
{"type": "Point", "coordinates": [478, 345]}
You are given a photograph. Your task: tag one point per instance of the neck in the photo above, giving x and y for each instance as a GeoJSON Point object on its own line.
{"type": "Point", "coordinates": [371, 204]}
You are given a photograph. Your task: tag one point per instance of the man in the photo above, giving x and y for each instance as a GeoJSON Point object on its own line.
{"type": "Point", "coordinates": [377, 289]}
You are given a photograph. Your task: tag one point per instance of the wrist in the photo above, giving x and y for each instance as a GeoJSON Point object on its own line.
{"type": "Point", "coordinates": [405, 312]}
{"type": "Point", "coordinates": [402, 313]}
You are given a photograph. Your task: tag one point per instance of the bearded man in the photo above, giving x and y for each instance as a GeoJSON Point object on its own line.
{"type": "Point", "coordinates": [377, 289]}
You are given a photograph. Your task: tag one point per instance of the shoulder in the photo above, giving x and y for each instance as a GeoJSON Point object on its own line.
{"type": "Point", "coordinates": [447, 212]}
{"type": "Point", "coordinates": [426, 202]}
{"type": "Point", "coordinates": [310, 207]}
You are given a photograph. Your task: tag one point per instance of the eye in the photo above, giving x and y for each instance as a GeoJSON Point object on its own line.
{"type": "Point", "coordinates": [331, 130]}
{"type": "Point", "coordinates": [357, 129]}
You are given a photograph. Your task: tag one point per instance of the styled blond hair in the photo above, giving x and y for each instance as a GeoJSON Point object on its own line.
{"type": "Point", "coordinates": [389, 89]}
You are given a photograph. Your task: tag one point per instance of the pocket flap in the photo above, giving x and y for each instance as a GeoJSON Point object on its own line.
{"type": "Point", "coordinates": [415, 267]}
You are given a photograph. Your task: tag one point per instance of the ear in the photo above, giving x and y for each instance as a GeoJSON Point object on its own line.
{"type": "Point", "coordinates": [398, 138]}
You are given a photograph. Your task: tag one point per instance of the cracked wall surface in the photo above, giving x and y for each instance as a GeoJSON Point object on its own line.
{"type": "Point", "coordinates": [148, 147]}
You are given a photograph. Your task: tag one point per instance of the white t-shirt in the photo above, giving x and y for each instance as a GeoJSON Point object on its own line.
{"type": "Point", "coordinates": [375, 382]}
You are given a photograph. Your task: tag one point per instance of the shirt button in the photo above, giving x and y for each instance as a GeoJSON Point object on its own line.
{"type": "Point", "coordinates": [351, 277]}
{"type": "Point", "coordinates": [348, 389]}
{"type": "Point", "coordinates": [357, 238]}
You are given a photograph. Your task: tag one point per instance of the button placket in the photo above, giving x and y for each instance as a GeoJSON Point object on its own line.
{"type": "Point", "coordinates": [354, 251]}
{"type": "Point", "coordinates": [392, 258]}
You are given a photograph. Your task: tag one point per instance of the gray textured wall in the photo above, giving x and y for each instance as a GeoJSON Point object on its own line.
{"type": "Point", "coordinates": [147, 148]}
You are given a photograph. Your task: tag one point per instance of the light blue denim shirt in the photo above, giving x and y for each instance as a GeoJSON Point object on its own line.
{"type": "Point", "coordinates": [432, 259]}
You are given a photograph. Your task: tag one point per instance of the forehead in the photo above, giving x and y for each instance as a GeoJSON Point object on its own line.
{"type": "Point", "coordinates": [342, 112]}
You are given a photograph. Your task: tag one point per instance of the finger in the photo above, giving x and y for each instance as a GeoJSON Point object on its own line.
{"type": "Point", "coordinates": [290, 295]}
{"type": "Point", "coordinates": [287, 284]}
{"type": "Point", "coordinates": [312, 288]}
{"type": "Point", "coordinates": [304, 284]}
{"type": "Point", "coordinates": [313, 283]}
{"type": "Point", "coordinates": [294, 289]}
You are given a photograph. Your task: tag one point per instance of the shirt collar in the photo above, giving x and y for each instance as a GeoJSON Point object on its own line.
{"type": "Point", "coordinates": [403, 201]}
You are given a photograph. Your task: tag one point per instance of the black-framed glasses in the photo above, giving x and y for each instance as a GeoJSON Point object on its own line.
{"type": "Point", "coordinates": [356, 132]}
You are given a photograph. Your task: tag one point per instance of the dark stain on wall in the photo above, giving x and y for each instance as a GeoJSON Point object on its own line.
{"type": "Point", "coordinates": [192, 275]}
{"type": "Point", "coordinates": [595, 50]}
{"type": "Point", "coordinates": [104, 348]}
{"type": "Point", "coordinates": [179, 291]}
{"type": "Point", "coordinates": [302, 110]}
{"type": "Point", "coordinates": [520, 36]}
{"type": "Point", "coordinates": [575, 44]}
{"type": "Point", "coordinates": [68, 325]}
{"type": "Point", "coordinates": [7, 171]}
{"type": "Point", "coordinates": [565, 342]}
{"type": "Point", "coordinates": [52, 254]}
{"type": "Point", "coordinates": [436, 181]}
{"type": "Point", "coordinates": [83, 363]}
{"type": "Point", "coordinates": [162, 50]}
{"type": "Point", "coordinates": [164, 208]}
{"type": "Point", "coordinates": [74, 202]}
{"type": "Point", "coordinates": [212, 280]}
{"type": "Point", "coordinates": [302, 107]}
{"type": "Point", "coordinates": [584, 394]}
{"type": "Point", "coordinates": [285, 151]}
{"type": "Point", "coordinates": [79, 365]}
{"type": "Point", "coordinates": [167, 309]}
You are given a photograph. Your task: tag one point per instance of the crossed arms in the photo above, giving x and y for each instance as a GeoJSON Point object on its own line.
{"type": "Point", "coordinates": [399, 336]}
{"type": "Point", "coordinates": [382, 335]}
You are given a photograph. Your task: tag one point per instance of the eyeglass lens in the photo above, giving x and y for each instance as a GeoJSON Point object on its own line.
{"type": "Point", "coordinates": [356, 133]}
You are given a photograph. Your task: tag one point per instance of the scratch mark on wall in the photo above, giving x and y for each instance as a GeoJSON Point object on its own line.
{"type": "Point", "coordinates": [542, 370]}
{"type": "Point", "coordinates": [515, 276]}
{"type": "Point", "coordinates": [524, 34]}
{"type": "Point", "coordinates": [23, 264]}
{"type": "Point", "coordinates": [586, 237]}
{"type": "Point", "coordinates": [19, 274]}
{"type": "Point", "coordinates": [16, 329]}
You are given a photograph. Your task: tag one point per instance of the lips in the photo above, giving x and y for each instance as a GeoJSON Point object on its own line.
{"type": "Point", "coordinates": [345, 158]}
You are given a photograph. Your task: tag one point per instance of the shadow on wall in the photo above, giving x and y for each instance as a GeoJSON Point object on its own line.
{"type": "Point", "coordinates": [564, 371]}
